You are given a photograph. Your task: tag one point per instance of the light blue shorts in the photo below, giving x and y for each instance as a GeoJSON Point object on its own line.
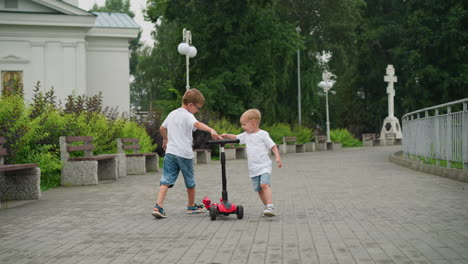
{"type": "Point", "coordinates": [172, 166]}
{"type": "Point", "coordinates": [265, 178]}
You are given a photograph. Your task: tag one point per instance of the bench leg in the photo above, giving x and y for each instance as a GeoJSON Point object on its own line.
{"type": "Point", "coordinates": [152, 163]}
{"type": "Point", "coordinates": [240, 153]}
{"type": "Point", "coordinates": [310, 146]}
{"type": "Point", "coordinates": [122, 164]}
{"type": "Point", "coordinates": [20, 185]}
{"type": "Point", "coordinates": [282, 149]}
{"type": "Point", "coordinates": [76, 173]}
{"type": "Point", "coordinates": [230, 153]}
{"type": "Point", "coordinates": [201, 157]}
{"type": "Point", "coordinates": [136, 165]}
{"type": "Point", "coordinates": [320, 146]}
{"type": "Point", "coordinates": [300, 148]}
{"type": "Point", "coordinates": [107, 169]}
{"type": "Point", "coordinates": [291, 148]}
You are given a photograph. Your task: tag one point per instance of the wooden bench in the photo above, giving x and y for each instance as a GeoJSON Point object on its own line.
{"type": "Point", "coordinates": [370, 140]}
{"type": "Point", "coordinates": [136, 162]}
{"type": "Point", "coordinates": [321, 142]}
{"type": "Point", "coordinates": [88, 169]}
{"type": "Point", "coordinates": [202, 156]}
{"type": "Point", "coordinates": [18, 181]}
{"type": "Point", "coordinates": [291, 145]}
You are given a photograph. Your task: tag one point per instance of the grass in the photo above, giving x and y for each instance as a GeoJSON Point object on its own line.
{"type": "Point", "coordinates": [442, 163]}
{"type": "Point", "coordinates": [50, 180]}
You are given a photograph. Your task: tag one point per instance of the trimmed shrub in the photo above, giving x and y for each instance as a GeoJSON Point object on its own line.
{"type": "Point", "coordinates": [345, 137]}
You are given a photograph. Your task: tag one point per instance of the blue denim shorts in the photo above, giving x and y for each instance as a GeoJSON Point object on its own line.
{"type": "Point", "coordinates": [172, 166]}
{"type": "Point", "coordinates": [265, 178]}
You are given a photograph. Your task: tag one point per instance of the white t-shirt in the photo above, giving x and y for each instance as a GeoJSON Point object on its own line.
{"type": "Point", "coordinates": [258, 147]}
{"type": "Point", "coordinates": [180, 124]}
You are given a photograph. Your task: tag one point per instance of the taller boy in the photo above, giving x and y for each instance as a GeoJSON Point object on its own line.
{"type": "Point", "coordinates": [176, 131]}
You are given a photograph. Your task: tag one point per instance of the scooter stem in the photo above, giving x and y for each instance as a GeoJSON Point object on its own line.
{"type": "Point", "coordinates": [223, 173]}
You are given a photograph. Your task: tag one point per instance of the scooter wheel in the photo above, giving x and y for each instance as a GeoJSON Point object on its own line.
{"type": "Point", "coordinates": [240, 212]}
{"type": "Point", "coordinates": [213, 212]}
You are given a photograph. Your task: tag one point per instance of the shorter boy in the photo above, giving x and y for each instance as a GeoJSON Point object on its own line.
{"type": "Point", "coordinates": [176, 131]}
{"type": "Point", "coordinates": [258, 145]}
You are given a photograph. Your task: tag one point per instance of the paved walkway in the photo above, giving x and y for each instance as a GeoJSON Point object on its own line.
{"type": "Point", "coordinates": [347, 206]}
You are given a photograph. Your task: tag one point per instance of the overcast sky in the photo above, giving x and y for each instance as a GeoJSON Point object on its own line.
{"type": "Point", "coordinates": [136, 6]}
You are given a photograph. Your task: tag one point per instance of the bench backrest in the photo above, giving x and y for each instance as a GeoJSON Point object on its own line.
{"type": "Point", "coordinates": [66, 147]}
{"type": "Point", "coordinates": [128, 143]}
{"type": "Point", "coordinates": [368, 137]}
{"type": "Point", "coordinates": [3, 151]}
{"type": "Point", "coordinates": [320, 138]}
{"type": "Point", "coordinates": [289, 139]}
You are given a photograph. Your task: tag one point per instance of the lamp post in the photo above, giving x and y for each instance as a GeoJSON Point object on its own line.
{"type": "Point", "coordinates": [326, 85]}
{"type": "Point", "coordinates": [186, 49]}
{"type": "Point", "coordinates": [298, 30]}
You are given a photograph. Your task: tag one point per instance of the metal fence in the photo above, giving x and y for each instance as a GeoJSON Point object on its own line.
{"type": "Point", "coordinates": [438, 134]}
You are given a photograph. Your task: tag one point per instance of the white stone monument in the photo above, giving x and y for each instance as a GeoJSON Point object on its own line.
{"type": "Point", "coordinates": [391, 129]}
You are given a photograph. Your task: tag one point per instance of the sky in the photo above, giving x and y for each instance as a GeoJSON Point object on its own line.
{"type": "Point", "coordinates": [136, 6]}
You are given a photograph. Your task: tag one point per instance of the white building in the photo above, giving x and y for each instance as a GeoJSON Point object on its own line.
{"type": "Point", "coordinates": [62, 46]}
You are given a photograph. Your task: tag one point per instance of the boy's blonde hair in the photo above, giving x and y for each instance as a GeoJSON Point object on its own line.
{"type": "Point", "coordinates": [193, 96]}
{"type": "Point", "coordinates": [251, 114]}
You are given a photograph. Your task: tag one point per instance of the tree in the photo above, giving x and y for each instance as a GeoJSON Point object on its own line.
{"type": "Point", "coordinates": [245, 53]}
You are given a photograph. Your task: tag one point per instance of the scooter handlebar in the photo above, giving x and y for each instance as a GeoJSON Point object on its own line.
{"type": "Point", "coordinates": [223, 141]}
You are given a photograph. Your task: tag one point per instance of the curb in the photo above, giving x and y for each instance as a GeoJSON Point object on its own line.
{"type": "Point", "coordinates": [453, 174]}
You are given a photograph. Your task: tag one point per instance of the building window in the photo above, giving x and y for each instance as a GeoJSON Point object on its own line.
{"type": "Point", "coordinates": [11, 4]}
{"type": "Point", "coordinates": [12, 82]}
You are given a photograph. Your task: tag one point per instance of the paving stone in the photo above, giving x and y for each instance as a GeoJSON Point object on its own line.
{"type": "Point", "coordinates": [344, 206]}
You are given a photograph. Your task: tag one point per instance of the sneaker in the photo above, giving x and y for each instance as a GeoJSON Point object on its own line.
{"type": "Point", "coordinates": [158, 212]}
{"type": "Point", "coordinates": [196, 209]}
{"type": "Point", "coordinates": [269, 211]}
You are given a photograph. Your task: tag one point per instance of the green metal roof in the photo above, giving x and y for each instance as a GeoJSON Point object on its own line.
{"type": "Point", "coordinates": [114, 20]}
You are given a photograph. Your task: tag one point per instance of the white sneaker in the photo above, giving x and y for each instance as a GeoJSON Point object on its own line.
{"type": "Point", "coordinates": [269, 211]}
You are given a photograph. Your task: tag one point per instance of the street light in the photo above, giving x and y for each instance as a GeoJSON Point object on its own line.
{"type": "Point", "coordinates": [326, 85]}
{"type": "Point", "coordinates": [186, 49]}
{"type": "Point", "coordinates": [298, 30]}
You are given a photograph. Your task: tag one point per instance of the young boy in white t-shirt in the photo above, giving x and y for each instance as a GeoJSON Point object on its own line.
{"type": "Point", "coordinates": [176, 131]}
{"type": "Point", "coordinates": [258, 144]}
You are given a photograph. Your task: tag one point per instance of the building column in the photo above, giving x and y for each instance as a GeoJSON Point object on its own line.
{"type": "Point", "coordinates": [69, 68]}
{"type": "Point", "coordinates": [38, 65]}
{"type": "Point", "coordinates": [81, 85]}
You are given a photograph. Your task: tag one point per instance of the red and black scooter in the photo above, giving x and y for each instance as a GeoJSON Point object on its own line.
{"type": "Point", "coordinates": [224, 207]}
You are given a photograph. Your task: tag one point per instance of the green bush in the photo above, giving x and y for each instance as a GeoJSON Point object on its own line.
{"type": "Point", "coordinates": [303, 134]}
{"type": "Point", "coordinates": [32, 132]}
{"type": "Point", "coordinates": [278, 131]}
{"type": "Point", "coordinates": [224, 126]}
{"type": "Point", "coordinates": [345, 137]}
{"type": "Point", "coordinates": [132, 130]}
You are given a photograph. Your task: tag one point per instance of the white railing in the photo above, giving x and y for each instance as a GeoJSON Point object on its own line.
{"type": "Point", "coordinates": [438, 133]}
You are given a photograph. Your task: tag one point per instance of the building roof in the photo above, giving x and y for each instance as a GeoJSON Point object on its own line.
{"type": "Point", "coordinates": [114, 20]}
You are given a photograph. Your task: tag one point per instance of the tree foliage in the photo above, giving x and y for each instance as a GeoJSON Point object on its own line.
{"type": "Point", "coordinates": [247, 57]}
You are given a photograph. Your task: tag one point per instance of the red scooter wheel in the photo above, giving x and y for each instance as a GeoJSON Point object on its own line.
{"type": "Point", "coordinates": [213, 212]}
{"type": "Point", "coordinates": [240, 212]}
